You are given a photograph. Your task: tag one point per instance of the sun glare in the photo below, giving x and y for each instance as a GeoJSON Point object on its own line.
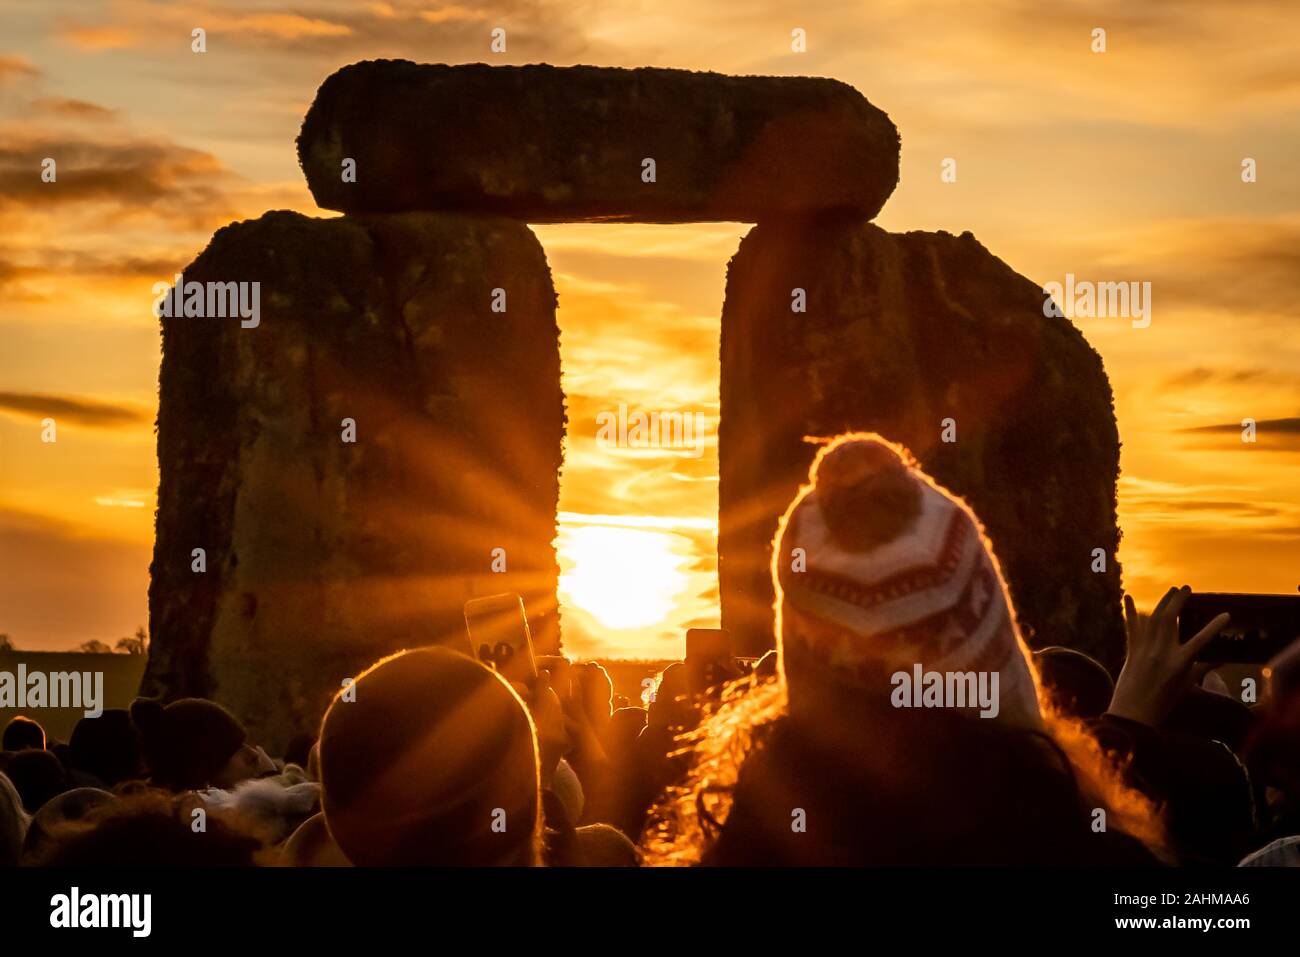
{"type": "Point", "coordinates": [624, 577]}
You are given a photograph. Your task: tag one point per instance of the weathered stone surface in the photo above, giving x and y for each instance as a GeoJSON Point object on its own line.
{"type": "Point", "coordinates": [322, 555]}
{"type": "Point", "coordinates": [556, 144]}
{"type": "Point", "coordinates": [901, 332]}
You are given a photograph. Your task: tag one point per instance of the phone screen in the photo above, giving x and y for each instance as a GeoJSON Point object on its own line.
{"type": "Point", "coordinates": [1259, 626]}
{"type": "Point", "coordinates": [706, 650]}
{"type": "Point", "coordinates": [499, 636]}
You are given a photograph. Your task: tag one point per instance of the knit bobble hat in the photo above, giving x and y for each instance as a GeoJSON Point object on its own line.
{"type": "Point", "coordinates": [880, 569]}
{"type": "Point", "coordinates": [187, 742]}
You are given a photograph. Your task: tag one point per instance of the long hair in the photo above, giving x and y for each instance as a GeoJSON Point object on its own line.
{"type": "Point", "coordinates": [688, 817]}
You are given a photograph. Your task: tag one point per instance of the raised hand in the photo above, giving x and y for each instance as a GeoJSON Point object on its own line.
{"type": "Point", "coordinates": [1158, 669]}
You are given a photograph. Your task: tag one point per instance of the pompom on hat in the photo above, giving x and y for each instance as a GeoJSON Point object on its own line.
{"type": "Point", "coordinates": [893, 571]}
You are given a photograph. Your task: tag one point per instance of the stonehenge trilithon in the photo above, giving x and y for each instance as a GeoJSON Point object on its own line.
{"type": "Point", "coordinates": [901, 333]}
{"type": "Point", "coordinates": [322, 554]}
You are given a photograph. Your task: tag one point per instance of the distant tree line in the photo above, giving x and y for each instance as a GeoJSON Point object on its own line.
{"type": "Point", "coordinates": [135, 644]}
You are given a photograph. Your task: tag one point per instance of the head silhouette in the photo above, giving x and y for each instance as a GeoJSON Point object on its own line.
{"type": "Point", "coordinates": [431, 761]}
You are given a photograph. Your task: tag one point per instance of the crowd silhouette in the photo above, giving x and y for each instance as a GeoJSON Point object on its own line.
{"type": "Point", "coordinates": [806, 757]}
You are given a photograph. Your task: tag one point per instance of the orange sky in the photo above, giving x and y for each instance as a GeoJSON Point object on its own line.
{"type": "Point", "coordinates": [1123, 165]}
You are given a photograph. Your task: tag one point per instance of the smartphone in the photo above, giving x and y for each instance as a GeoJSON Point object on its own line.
{"type": "Point", "coordinates": [1283, 674]}
{"type": "Point", "coordinates": [499, 636]}
{"type": "Point", "coordinates": [708, 657]}
{"type": "Point", "coordinates": [1259, 626]}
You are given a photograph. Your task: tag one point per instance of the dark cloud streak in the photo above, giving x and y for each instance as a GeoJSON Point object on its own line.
{"type": "Point", "coordinates": [84, 412]}
{"type": "Point", "coordinates": [1287, 426]}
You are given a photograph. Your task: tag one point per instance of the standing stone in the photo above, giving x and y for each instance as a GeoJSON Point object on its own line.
{"type": "Point", "coordinates": [323, 555]}
{"type": "Point", "coordinates": [561, 144]}
{"type": "Point", "coordinates": [901, 332]}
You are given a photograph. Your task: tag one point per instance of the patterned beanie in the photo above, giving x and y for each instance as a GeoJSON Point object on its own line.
{"type": "Point", "coordinates": [894, 573]}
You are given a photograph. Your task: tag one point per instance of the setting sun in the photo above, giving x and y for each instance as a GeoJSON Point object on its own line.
{"type": "Point", "coordinates": [624, 577]}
